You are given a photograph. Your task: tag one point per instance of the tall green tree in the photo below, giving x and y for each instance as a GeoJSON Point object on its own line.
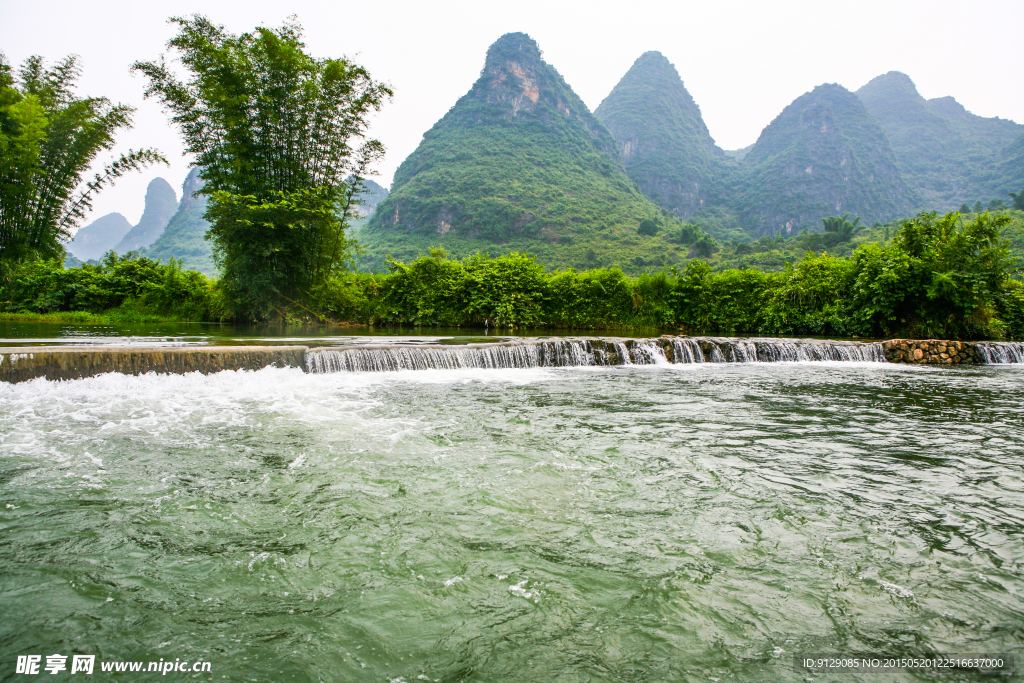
{"type": "Point", "coordinates": [839, 229]}
{"type": "Point", "coordinates": [282, 140]}
{"type": "Point", "coordinates": [1018, 200]}
{"type": "Point", "coordinates": [49, 138]}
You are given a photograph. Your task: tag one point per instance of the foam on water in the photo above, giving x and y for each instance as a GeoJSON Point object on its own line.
{"type": "Point", "coordinates": [591, 523]}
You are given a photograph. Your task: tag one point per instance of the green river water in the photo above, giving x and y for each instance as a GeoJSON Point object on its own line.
{"type": "Point", "coordinates": [661, 523]}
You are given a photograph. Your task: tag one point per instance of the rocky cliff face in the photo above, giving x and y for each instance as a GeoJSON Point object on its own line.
{"type": "Point", "coordinates": [518, 156]}
{"type": "Point", "coordinates": [99, 237]}
{"type": "Point", "coordinates": [824, 155]}
{"type": "Point", "coordinates": [373, 195]}
{"type": "Point", "coordinates": [663, 140]}
{"type": "Point", "coordinates": [161, 204]}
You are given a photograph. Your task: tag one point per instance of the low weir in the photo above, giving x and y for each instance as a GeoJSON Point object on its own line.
{"type": "Point", "coordinates": [68, 362]}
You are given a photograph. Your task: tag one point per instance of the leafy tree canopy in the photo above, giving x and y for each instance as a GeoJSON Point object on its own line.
{"type": "Point", "coordinates": [839, 229]}
{"type": "Point", "coordinates": [49, 137]}
{"type": "Point", "coordinates": [1018, 200]}
{"type": "Point", "coordinates": [281, 138]}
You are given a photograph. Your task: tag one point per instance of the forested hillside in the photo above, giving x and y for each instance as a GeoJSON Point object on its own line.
{"type": "Point", "coordinates": [822, 156]}
{"type": "Point", "coordinates": [947, 154]}
{"type": "Point", "coordinates": [664, 142]}
{"type": "Point", "coordinates": [519, 163]}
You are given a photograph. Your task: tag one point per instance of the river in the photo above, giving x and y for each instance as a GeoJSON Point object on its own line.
{"type": "Point", "coordinates": [698, 522]}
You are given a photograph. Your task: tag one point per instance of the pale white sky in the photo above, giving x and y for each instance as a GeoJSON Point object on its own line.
{"type": "Point", "coordinates": [743, 62]}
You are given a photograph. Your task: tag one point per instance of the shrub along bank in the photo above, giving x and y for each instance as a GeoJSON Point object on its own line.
{"type": "Point", "coordinates": [122, 288]}
{"type": "Point", "coordinates": [937, 277]}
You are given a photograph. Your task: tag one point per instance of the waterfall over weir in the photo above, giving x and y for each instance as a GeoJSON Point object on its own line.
{"type": "Point", "coordinates": [1000, 352]}
{"type": "Point", "coordinates": [528, 353]}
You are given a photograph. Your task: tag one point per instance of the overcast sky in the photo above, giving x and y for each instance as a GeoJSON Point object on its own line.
{"type": "Point", "coordinates": [743, 62]}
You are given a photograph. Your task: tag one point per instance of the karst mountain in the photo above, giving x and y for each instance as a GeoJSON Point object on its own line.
{"type": "Point", "coordinates": [519, 162]}
{"type": "Point", "coordinates": [663, 141]}
{"type": "Point", "coordinates": [161, 204]}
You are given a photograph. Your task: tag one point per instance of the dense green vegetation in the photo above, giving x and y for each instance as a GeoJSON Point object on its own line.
{"type": "Point", "coordinates": [125, 288]}
{"type": "Point", "coordinates": [48, 139]}
{"type": "Point", "coordinates": [946, 277]}
{"type": "Point", "coordinates": [281, 140]}
{"type": "Point", "coordinates": [937, 276]}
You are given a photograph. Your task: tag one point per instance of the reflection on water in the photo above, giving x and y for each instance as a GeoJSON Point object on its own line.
{"type": "Point", "coordinates": [14, 333]}
{"type": "Point", "coordinates": [660, 523]}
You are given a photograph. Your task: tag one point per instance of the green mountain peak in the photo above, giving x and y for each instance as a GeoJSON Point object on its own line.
{"type": "Point", "coordinates": [824, 155]}
{"type": "Point", "coordinates": [946, 153]}
{"type": "Point", "coordinates": [664, 142]}
{"type": "Point", "coordinates": [519, 162]}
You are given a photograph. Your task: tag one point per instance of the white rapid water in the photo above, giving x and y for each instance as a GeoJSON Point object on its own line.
{"type": "Point", "coordinates": [687, 350]}
{"type": "Point", "coordinates": [555, 353]}
{"type": "Point", "coordinates": [588, 352]}
{"type": "Point", "coordinates": [998, 353]}
{"type": "Point", "coordinates": [791, 350]}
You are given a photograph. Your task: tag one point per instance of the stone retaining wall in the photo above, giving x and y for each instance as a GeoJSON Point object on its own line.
{"type": "Point", "coordinates": [930, 351]}
{"type": "Point", "coordinates": [74, 362]}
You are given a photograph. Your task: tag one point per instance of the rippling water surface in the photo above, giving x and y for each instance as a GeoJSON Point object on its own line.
{"type": "Point", "coordinates": [669, 523]}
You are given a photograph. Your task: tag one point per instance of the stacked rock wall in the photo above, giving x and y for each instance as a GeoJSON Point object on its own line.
{"type": "Point", "coordinates": [929, 351]}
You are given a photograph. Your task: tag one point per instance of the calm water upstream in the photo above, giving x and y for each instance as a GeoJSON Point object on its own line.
{"type": "Point", "coordinates": [663, 523]}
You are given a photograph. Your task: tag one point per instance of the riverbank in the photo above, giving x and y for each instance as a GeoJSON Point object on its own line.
{"type": "Point", "coordinates": [936, 278]}
{"type": "Point", "coordinates": [74, 362]}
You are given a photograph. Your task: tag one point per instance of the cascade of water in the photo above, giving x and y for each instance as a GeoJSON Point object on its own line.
{"type": "Point", "coordinates": [745, 352]}
{"type": "Point", "coordinates": [791, 350]}
{"type": "Point", "coordinates": [687, 350]}
{"type": "Point", "coordinates": [585, 352]}
{"type": "Point", "coordinates": [557, 353]}
{"type": "Point", "coordinates": [648, 352]}
{"type": "Point", "coordinates": [1000, 352]}
{"type": "Point", "coordinates": [623, 353]}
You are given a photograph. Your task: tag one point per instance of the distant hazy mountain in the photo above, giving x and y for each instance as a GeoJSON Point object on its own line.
{"type": "Point", "coordinates": [184, 238]}
{"type": "Point", "coordinates": [369, 199]}
{"type": "Point", "coordinates": [945, 152]}
{"type": "Point", "coordinates": [664, 142]}
{"type": "Point", "coordinates": [99, 237]}
{"type": "Point", "coordinates": [161, 203]}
